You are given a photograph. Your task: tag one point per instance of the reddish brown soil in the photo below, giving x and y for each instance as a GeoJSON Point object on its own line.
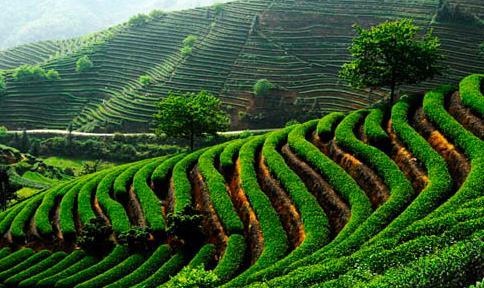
{"type": "Point", "coordinates": [465, 116]}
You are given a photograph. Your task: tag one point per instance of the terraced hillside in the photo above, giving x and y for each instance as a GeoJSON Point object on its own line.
{"type": "Point", "coordinates": [374, 198]}
{"type": "Point", "coordinates": [298, 45]}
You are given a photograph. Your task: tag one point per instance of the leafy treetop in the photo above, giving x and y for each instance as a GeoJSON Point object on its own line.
{"type": "Point", "coordinates": [392, 54]}
{"type": "Point", "coordinates": [84, 64]}
{"type": "Point", "coordinates": [190, 115]}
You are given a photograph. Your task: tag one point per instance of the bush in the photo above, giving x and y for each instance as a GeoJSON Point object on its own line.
{"type": "Point", "coordinates": [146, 269]}
{"type": "Point", "coordinates": [150, 204]}
{"type": "Point", "coordinates": [118, 254]}
{"type": "Point", "coordinates": [94, 237]}
{"type": "Point", "coordinates": [52, 75]}
{"type": "Point", "coordinates": [218, 192]}
{"type": "Point", "coordinates": [69, 270]}
{"type": "Point", "coordinates": [168, 269]}
{"type": "Point", "coordinates": [139, 20]}
{"type": "Point", "coordinates": [186, 227]}
{"type": "Point", "coordinates": [136, 238]}
{"type": "Point", "coordinates": [145, 80]}
{"type": "Point", "coordinates": [84, 64]}
{"type": "Point", "coordinates": [232, 259]}
{"type": "Point", "coordinates": [157, 14]}
{"type": "Point", "coordinates": [190, 41]}
{"type": "Point", "coordinates": [194, 277]}
{"type": "Point", "coordinates": [186, 51]}
{"type": "Point", "coordinates": [29, 262]}
{"type": "Point", "coordinates": [26, 73]}
{"type": "Point", "coordinates": [470, 92]}
{"type": "Point", "coordinates": [3, 131]}
{"type": "Point", "coordinates": [262, 87]}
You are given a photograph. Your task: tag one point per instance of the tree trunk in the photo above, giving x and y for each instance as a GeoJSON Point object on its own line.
{"type": "Point", "coordinates": [192, 141]}
{"type": "Point", "coordinates": [392, 93]}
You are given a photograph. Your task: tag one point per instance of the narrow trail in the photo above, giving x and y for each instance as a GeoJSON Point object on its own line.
{"type": "Point", "coordinates": [134, 210]}
{"type": "Point", "coordinates": [252, 228]}
{"type": "Point", "coordinates": [367, 179]}
{"type": "Point", "coordinates": [465, 116]}
{"type": "Point", "coordinates": [457, 162]}
{"type": "Point", "coordinates": [99, 211]}
{"type": "Point", "coordinates": [411, 167]}
{"type": "Point", "coordinates": [287, 211]}
{"type": "Point", "coordinates": [211, 223]}
{"type": "Point", "coordinates": [333, 205]}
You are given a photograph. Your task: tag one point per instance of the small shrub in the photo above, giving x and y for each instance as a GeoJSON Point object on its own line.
{"type": "Point", "coordinates": [189, 41]}
{"type": "Point", "coordinates": [145, 80]}
{"type": "Point", "coordinates": [186, 227]}
{"type": "Point", "coordinates": [157, 14]}
{"type": "Point", "coordinates": [84, 64]}
{"type": "Point", "coordinates": [53, 75]}
{"type": "Point", "coordinates": [94, 236]}
{"type": "Point", "coordinates": [218, 8]}
{"type": "Point", "coordinates": [3, 131]}
{"type": "Point", "coordinates": [27, 73]}
{"type": "Point", "coordinates": [186, 51]}
{"type": "Point", "coordinates": [139, 20]}
{"type": "Point", "coordinates": [194, 277]}
{"type": "Point", "coordinates": [263, 87]}
{"type": "Point", "coordinates": [136, 238]}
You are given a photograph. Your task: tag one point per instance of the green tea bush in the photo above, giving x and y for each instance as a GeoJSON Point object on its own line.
{"type": "Point", "coordinates": [84, 64]}
{"type": "Point", "coordinates": [262, 87]}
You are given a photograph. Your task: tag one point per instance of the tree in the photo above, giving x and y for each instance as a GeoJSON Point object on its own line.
{"type": "Point", "coordinates": [3, 131]}
{"type": "Point", "coordinates": [24, 142]}
{"type": "Point", "coordinates": [262, 87]}
{"type": "Point", "coordinates": [4, 187]}
{"type": "Point", "coordinates": [94, 237]}
{"type": "Point", "coordinates": [145, 80]}
{"type": "Point", "coordinates": [34, 73]}
{"type": "Point", "coordinates": [190, 115]}
{"type": "Point", "coordinates": [392, 54]}
{"type": "Point", "coordinates": [139, 20]}
{"type": "Point", "coordinates": [90, 167]}
{"type": "Point", "coordinates": [52, 75]}
{"type": "Point", "coordinates": [84, 64]}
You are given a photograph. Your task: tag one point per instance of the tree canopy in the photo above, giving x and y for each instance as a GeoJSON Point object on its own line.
{"type": "Point", "coordinates": [84, 64]}
{"type": "Point", "coordinates": [392, 54]}
{"type": "Point", "coordinates": [190, 115]}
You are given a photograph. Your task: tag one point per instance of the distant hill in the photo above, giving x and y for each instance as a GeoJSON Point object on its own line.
{"type": "Point", "coordinates": [297, 45]}
{"type": "Point", "coordinates": [32, 20]}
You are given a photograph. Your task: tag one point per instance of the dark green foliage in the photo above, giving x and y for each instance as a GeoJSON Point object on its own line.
{"type": "Point", "coordinates": [84, 64]}
{"type": "Point", "coordinates": [232, 260]}
{"type": "Point", "coordinates": [28, 73]}
{"type": "Point", "coordinates": [392, 54]}
{"type": "Point", "coordinates": [139, 20]}
{"type": "Point", "coordinates": [118, 254]}
{"type": "Point", "coordinates": [145, 270]}
{"type": "Point", "coordinates": [136, 238]}
{"type": "Point", "coordinates": [145, 80]}
{"type": "Point", "coordinates": [186, 227]}
{"type": "Point", "coordinates": [327, 125]}
{"type": "Point", "coordinates": [193, 277]}
{"type": "Point", "coordinates": [170, 268]}
{"type": "Point", "coordinates": [471, 94]}
{"type": "Point", "coordinates": [3, 84]}
{"type": "Point", "coordinates": [373, 127]}
{"type": "Point", "coordinates": [218, 192]}
{"type": "Point", "coordinates": [204, 256]}
{"type": "Point", "coordinates": [262, 87]}
{"type": "Point", "coordinates": [453, 12]}
{"type": "Point", "coordinates": [149, 202]}
{"type": "Point", "coordinates": [275, 238]}
{"type": "Point", "coordinates": [53, 268]}
{"type": "Point", "coordinates": [15, 258]}
{"type": "Point", "coordinates": [67, 269]}
{"type": "Point", "coordinates": [190, 115]}
{"type": "Point", "coordinates": [113, 209]}
{"type": "Point", "coordinates": [115, 273]}
{"type": "Point", "coordinates": [157, 14]}
{"type": "Point", "coordinates": [94, 237]}
{"type": "Point", "coordinates": [33, 270]}
{"type": "Point", "coordinates": [27, 263]}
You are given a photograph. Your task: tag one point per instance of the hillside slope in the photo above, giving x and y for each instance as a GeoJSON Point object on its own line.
{"type": "Point", "coordinates": [372, 198]}
{"type": "Point", "coordinates": [298, 45]}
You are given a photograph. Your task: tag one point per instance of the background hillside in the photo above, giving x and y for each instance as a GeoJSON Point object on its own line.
{"type": "Point", "coordinates": [29, 20]}
{"type": "Point", "coordinates": [298, 45]}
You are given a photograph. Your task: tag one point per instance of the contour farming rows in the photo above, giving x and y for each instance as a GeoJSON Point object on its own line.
{"type": "Point", "coordinates": [366, 199]}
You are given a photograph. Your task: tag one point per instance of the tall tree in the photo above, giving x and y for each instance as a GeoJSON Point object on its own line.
{"type": "Point", "coordinates": [190, 115]}
{"type": "Point", "coordinates": [392, 54]}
